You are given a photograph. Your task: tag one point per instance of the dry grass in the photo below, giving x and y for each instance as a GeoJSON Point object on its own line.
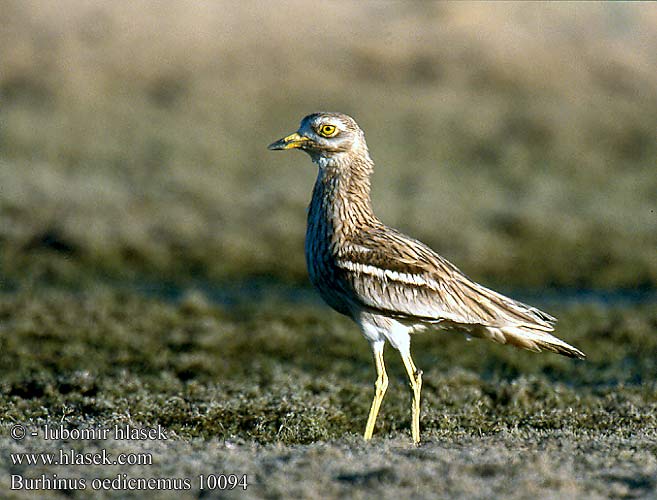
{"type": "Point", "coordinates": [517, 140]}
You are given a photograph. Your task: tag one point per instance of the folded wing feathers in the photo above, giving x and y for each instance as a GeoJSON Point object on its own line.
{"type": "Point", "coordinates": [443, 293]}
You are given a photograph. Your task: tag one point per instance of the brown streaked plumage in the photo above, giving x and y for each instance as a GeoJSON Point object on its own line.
{"type": "Point", "coordinates": [392, 285]}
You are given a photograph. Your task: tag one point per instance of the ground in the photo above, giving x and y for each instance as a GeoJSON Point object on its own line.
{"type": "Point", "coordinates": [280, 392]}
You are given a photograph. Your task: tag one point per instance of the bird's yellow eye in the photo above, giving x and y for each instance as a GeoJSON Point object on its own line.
{"type": "Point", "coordinates": [328, 130]}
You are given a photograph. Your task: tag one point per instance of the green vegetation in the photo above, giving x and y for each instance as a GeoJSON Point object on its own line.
{"type": "Point", "coordinates": [281, 392]}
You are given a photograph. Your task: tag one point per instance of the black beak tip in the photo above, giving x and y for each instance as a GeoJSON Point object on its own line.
{"type": "Point", "coordinates": [277, 145]}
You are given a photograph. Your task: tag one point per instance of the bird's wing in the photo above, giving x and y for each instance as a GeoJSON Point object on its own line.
{"type": "Point", "coordinates": [397, 275]}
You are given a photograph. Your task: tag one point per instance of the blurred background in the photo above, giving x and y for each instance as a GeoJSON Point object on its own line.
{"type": "Point", "coordinates": [517, 140]}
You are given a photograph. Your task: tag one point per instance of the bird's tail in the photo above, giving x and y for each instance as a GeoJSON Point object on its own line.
{"type": "Point", "coordinates": [508, 321]}
{"type": "Point", "coordinates": [531, 339]}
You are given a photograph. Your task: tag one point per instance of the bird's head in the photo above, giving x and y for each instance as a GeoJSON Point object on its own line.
{"type": "Point", "coordinates": [325, 135]}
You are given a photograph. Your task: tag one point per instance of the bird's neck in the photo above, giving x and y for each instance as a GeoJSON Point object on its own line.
{"type": "Point", "coordinates": [341, 200]}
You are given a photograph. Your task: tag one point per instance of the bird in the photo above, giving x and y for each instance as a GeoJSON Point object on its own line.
{"type": "Point", "coordinates": [389, 284]}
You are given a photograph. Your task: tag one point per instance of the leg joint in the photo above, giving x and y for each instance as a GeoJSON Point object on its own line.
{"type": "Point", "coordinates": [381, 383]}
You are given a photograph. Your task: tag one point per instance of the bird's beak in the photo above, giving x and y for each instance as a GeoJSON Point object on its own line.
{"type": "Point", "coordinates": [292, 141]}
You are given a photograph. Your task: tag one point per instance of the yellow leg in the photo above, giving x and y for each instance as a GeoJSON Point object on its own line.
{"type": "Point", "coordinates": [379, 390]}
{"type": "Point", "coordinates": [415, 376]}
